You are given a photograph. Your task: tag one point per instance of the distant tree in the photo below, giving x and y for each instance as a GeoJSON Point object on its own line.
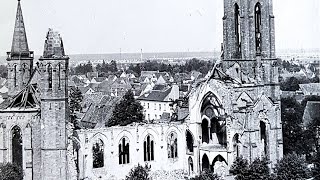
{"type": "Point", "coordinates": [206, 175]}
{"type": "Point", "coordinates": [139, 173]}
{"type": "Point", "coordinates": [3, 71]}
{"type": "Point", "coordinates": [316, 169]}
{"type": "Point", "coordinates": [291, 167]}
{"type": "Point", "coordinates": [127, 111]}
{"type": "Point", "coordinates": [291, 84]}
{"type": "Point", "coordinates": [292, 127]}
{"type": "Point", "coordinates": [75, 99]}
{"type": "Point", "coordinates": [113, 66]}
{"type": "Point", "coordinates": [10, 171]}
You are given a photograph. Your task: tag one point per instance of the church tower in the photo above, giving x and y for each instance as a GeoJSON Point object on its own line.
{"type": "Point", "coordinates": [248, 29]}
{"type": "Point", "coordinates": [53, 67]}
{"type": "Point", "coordinates": [20, 59]}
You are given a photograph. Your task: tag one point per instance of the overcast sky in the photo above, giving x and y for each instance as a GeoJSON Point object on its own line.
{"type": "Point", "coordinates": [105, 26]}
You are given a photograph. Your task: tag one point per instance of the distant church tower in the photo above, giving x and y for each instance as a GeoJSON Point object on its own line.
{"type": "Point", "coordinates": [20, 59]}
{"type": "Point", "coordinates": [249, 43]}
{"type": "Point", "coordinates": [53, 69]}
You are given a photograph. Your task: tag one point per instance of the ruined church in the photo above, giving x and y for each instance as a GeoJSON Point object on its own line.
{"type": "Point", "coordinates": [234, 112]}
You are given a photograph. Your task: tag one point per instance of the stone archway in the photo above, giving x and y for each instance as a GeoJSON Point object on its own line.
{"type": "Point", "coordinates": [205, 162]}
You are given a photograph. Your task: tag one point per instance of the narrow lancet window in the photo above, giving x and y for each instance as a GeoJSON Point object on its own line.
{"type": "Point", "coordinates": [98, 154]}
{"type": "Point", "coordinates": [237, 30]}
{"type": "Point", "coordinates": [16, 146]}
{"type": "Point", "coordinates": [15, 75]}
{"type": "Point", "coordinates": [124, 157]}
{"type": "Point", "coordinates": [257, 16]}
{"type": "Point", "coordinates": [172, 145]}
{"type": "Point", "coordinates": [49, 76]}
{"type": "Point", "coordinates": [59, 76]}
{"type": "Point", "coordinates": [148, 147]}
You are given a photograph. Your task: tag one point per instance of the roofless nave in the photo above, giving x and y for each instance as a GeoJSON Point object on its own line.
{"type": "Point", "coordinates": [234, 112]}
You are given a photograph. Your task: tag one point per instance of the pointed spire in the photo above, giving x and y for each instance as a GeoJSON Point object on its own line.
{"type": "Point", "coordinates": [19, 42]}
{"type": "Point", "coordinates": [53, 46]}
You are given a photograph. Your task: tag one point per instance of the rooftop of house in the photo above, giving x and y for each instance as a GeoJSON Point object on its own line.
{"type": "Point", "coordinates": [156, 95]}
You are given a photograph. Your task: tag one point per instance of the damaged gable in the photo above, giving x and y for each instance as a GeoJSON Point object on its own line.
{"type": "Point", "coordinates": [27, 98]}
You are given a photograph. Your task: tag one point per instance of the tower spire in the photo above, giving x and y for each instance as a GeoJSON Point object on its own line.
{"type": "Point", "coordinates": [19, 42]}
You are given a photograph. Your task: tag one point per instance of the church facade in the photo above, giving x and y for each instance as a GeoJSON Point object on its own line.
{"type": "Point", "coordinates": [234, 112]}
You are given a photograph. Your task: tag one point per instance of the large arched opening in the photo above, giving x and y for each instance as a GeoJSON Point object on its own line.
{"type": "Point", "coordinates": [189, 139]}
{"type": "Point", "coordinates": [205, 163]}
{"type": "Point", "coordinates": [16, 146]}
{"type": "Point", "coordinates": [212, 112]}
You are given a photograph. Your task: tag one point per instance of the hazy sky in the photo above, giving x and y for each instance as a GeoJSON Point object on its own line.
{"type": "Point", "coordinates": [105, 26]}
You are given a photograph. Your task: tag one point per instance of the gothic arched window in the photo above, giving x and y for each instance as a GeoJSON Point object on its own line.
{"type": "Point", "coordinates": [237, 30]}
{"type": "Point", "coordinates": [263, 136]}
{"type": "Point", "coordinates": [257, 17]}
{"type": "Point", "coordinates": [236, 148]}
{"type": "Point", "coordinates": [16, 146]}
{"type": "Point", "coordinates": [148, 148]}
{"type": "Point", "coordinates": [98, 154]}
{"type": "Point", "coordinates": [124, 157]}
{"type": "Point", "coordinates": [15, 75]}
{"type": "Point", "coordinates": [189, 139]}
{"type": "Point", "coordinates": [172, 145]}
{"type": "Point", "coordinates": [49, 76]}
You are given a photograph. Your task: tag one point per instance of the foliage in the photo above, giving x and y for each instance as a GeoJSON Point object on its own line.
{"type": "Point", "coordinates": [191, 65]}
{"type": "Point", "coordinates": [75, 99]}
{"type": "Point", "coordinates": [10, 172]}
{"type": "Point", "coordinates": [258, 169]}
{"type": "Point", "coordinates": [83, 68]}
{"type": "Point", "coordinates": [3, 71]}
{"type": "Point", "coordinates": [291, 117]}
{"type": "Point", "coordinates": [291, 84]}
{"type": "Point", "coordinates": [206, 175]}
{"type": "Point", "coordinates": [291, 167]}
{"type": "Point", "coordinates": [316, 169]}
{"type": "Point", "coordinates": [139, 173]}
{"type": "Point", "coordinates": [107, 67]}
{"type": "Point", "coordinates": [127, 111]}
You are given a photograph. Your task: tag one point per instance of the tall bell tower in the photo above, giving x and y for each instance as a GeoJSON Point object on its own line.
{"type": "Point", "coordinates": [53, 67]}
{"type": "Point", "coordinates": [19, 59]}
{"type": "Point", "coordinates": [248, 29]}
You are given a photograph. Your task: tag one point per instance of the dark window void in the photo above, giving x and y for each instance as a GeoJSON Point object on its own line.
{"type": "Point", "coordinates": [236, 148]}
{"type": "Point", "coordinates": [257, 17]}
{"type": "Point", "coordinates": [205, 162]}
{"type": "Point", "coordinates": [124, 157]}
{"type": "Point", "coordinates": [172, 145]}
{"type": "Point", "coordinates": [97, 154]}
{"type": "Point", "coordinates": [263, 136]}
{"type": "Point", "coordinates": [189, 139]}
{"type": "Point", "coordinates": [15, 75]}
{"type": "Point", "coordinates": [59, 76]}
{"type": "Point", "coordinates": [218, 131]}
{"type": "Point", "coordinates": [49, 76]}
{"type": "Point", "coordinates": [148, 147]}
{"type": "Point", "coordinates": [190, 163]}
{"type": "Point", "coordinates": [237, 30]}
{"type": "Point", "coordinates": [17, 146]}
{"type": "Point", "coordinates": [205, 131]}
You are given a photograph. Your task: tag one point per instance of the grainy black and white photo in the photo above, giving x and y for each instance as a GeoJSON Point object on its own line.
{"type": "Point", "coordinates": [159, 90]}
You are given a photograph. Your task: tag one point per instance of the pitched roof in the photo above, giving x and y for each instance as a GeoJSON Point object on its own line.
{"type": "Point", "coordinates": [99, 113]}
{"type": "Point", "coordinates": [311, 88]}
{"type": "Point", "coordinates": [156, 95]}
{"type": "Point", "coordinates": [53, 46]}
{"type": "Point", "coordinates": [19, 42]}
